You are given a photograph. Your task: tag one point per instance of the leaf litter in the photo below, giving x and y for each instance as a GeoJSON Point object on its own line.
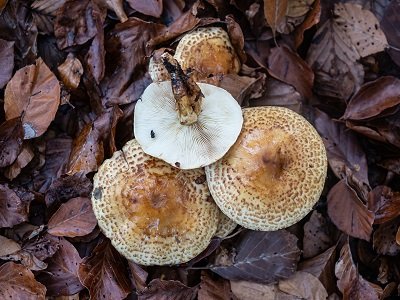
{"type": "Point", "coordinates": [70, 74]}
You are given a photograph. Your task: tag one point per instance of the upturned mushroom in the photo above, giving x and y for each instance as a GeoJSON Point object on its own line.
{"type": "Point", "coordinates": [186, 124]}
{"type": "Point", "coordinates": [274, 173]}
{"type": "Point", "coordinates": [153, 213]}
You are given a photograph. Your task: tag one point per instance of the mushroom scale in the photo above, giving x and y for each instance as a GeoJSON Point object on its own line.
{"type": "Point", "coordinates": [274, 173]}
{"type": "Point", "coordinates": [153, 213]}
{"type": "Point", "coordinates": [159, 132]}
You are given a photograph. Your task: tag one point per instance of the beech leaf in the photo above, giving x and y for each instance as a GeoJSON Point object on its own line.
{"type": "Point", "coordinates": [74, 218]}
{"type": "Point", "coordinates": [385, 203]}
{"type": "Point", "coordinates": [33, 94]}
{"type": "Point", "coordinates": [275, 12]}
{"type": "Point", "coordinates": [17, 282]}
{"type": "Point", "coordinates": [13, 210]}
{"type": "Point", "coordinates": [152, 8]}
{"type": "Point", "coordinates": [24, 158]}
{"type": "Point", "coordinates": [245, 290]}
{"type": "Point", "coordinates": [389, 26]}
{"type": "Point", "coordinates": [303, 285]}
{"type": "Point", "coordinates": [214, 288]}
{"type": "Point", "coordinates": [6, 61]}
{"type": "Point", "coordinates": [8, 246]}
{"type": "Point", "coordinates": [384, 238]}
{"type": "Point", "coordinates": [104, 273]}
{"type": "Point", "coordinates": [167, 290]}
{"type": "Point", "coordinates": [348, 212]}
{"type": "Point", "coordinates": [11, 136]}
{"type": "Point", "coordinates": [262, 257]}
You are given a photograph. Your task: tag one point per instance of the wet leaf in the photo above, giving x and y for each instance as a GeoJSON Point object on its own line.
{"type": "Point", "coordinates": [303, 285]}
{"type": "Point", "coordinates": [8, 246]}
{"type": "Point", "coordinates": [73, 218]}
{"type": "Point", "coordinates": [17, 282]}
{"type": "Point", "coordinates": [214, 288]}
{"type": "Point", "coordinates": [385, 203]}
{"type": "Point", "coordinates": [167, 290]}
{"type": "Point", "coordinates": [13, 210]}
{"type": "Point", "coordinates": [152, 8]}
{"type": "Point", "coordinates": [44, 13]}
{"type": "Point", "coordinates": [104, 274]}
{"type": "Point", "coordinates": [258, 252]}
{"type": "Point", "coordinates": [374, 98]}
{"type": "Point", "coordinates": [61, 275]}
{"type": "Point", "coordinates": [317, 235]}
{"type": "Point", "coordinates": [287, 66]}
{"type": "Point", "coordinates": [350, 282]}
{"type": "Point", "coordinates": [33, 94]}
{"type": "Point", "coordinates": [384, 238]}
{"type": "Point", "coordinates": [6, 61]}
{"type": "Point", "coordinates": [11, 136]}
{"type": "Point", "coordinates": [362, 28]}
{"type": "Point", "coordinates": [275, 12]}
{"type": "Point", "coordinates": [71, 71]}
{"type": "Point", "coordinates": [24, 158]}
{"type": "Point", "coordinates": [348, 212]}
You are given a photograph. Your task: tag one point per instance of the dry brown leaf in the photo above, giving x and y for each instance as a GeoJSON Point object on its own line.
{"type": "Point", "coordinates": [246, 290]}
{"type": "Point", "coordinates": [275, 12]}
{"type": "Point", "coordinates": [139, 276]}
{"type": "Point", "coordinates": [214, 288]}
{"type": "Point", "coordinates": [47, 7]}
{"type": "Point", "coordinates": [74, 218]}
{"type": "Point", "coordinates": [298, 8]}
{"type": "Point", "coordinates": [312, 18]}
{"type": "Point", "coordinates": [71, 71]}
{"type": "Point", "coordinates": [8, 246]}
{"type": "Point", "coordinates": [6, 61]}
{"type": "Point", "coordinates": [362, 28]}
{"type": "Point", "coordinates": [152, 8]}
{"type": "Point", "coordinates": [17, 282]}
{"type": "Point", "coordinates": [117, 6]}
{"type": "Point", "coordinates": [384, 238]}
{"type": "Point", "coordinates": [391, 29]}
{"type": "Point", "coordinates": [303, 285]}
{"type": "Point", "coordinates": [385, 203]}
{"type": "Point", "coordinates": [24, 158]}
{"type": "Point", "coordinates": [3, 4]}
{"type": "Point", "coordinates": [11, 137]}
{"type": "Point", "coordinates": [34, 94]}
{"type": "Point", "coordinates": [13, 210]}
{"type": "Point", "coordinates": [159, 289]}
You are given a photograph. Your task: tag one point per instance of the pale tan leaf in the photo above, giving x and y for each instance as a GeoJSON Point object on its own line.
{"type": "Point", "coordinates": [298, 8]}
{"type": "Point", "coordinates": [275, 13]}
{"type": "Point", "coordinates": [246, 290]}
{"type": "Point", "coordinates": [47, 7]}
{"type": "Point", "coordinates": [118, 7]}
{"type": "Point", "coordinates": [71, 71]}
{"type": "Point", "coordinates": [303, 285]}
{"type": "Point", "coordinates": [8, 246]}
{"type": "Point", "coordinates": [362, 28]}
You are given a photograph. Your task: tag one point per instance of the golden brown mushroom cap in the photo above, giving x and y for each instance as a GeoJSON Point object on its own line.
{"type": "Point", "coordinates": [274, 173]}
{"type": "Point", "coordinates": [153, 213]}
{"type": "Point", "coordinates": [207, 51]}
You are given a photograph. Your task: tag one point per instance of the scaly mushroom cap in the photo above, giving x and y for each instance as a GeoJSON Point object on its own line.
{"type": "Point", "coordinates": [225, 226]}
{"type": "Point", "coordinates": [153, 213]}
{"type": "Point", "coordinates": [275, 172]}
{"type": "Point", "coordinates": [159, 132]}
{"type": "Point", "coordinates": [206, 52]}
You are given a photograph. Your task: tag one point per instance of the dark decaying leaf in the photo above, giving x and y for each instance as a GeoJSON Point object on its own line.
{"type": "Point", "coordinates": [303, 285]}
{"type": "Point", "coordinates": [287, 66]}
{"type": "Point", "coordinates": [350, 282]}
{"type": "Point", "coordinates": [167, 290]}
{"type": "Point", "coordinates": [71, 71]}
{"type": "Point", "coordinates": [385, 203]}
{"type": "Point", "coordinates": [139, 276]}
{"type": "Point", "coordinates": [17, 282]}
{"type": "Point", "coordinates": [263, 257]}
{"type": "Point", "coordinates": [236, 37]}
{"type": "Point", "coordinates": [152, 8]}
{"type": "Point", "coordinates": [24, 158]}
{"type": "Point", "coordinates": [348, 212]}
{"type": "Point", "coordinates": [73, 218]}
{"type": "Point", "coordinates": [11, 136]}
{"type": "Point", "coordinates": [384, 238]}
{"type": "Point", "coordinates": [212, 287]}
{"type": "Point", "coordinates": [33, 94]}
{"type": "Point", "coordinates": [104, 273]}
{"type": "Point", "coordinates": [318, 235]}
{"type": "Point", "coordinates": [74, 24]}
{"type": "Point", "coordinates": [13, 210]}
{"type": "Point", "coordinates": [275, 12]}
{"type": "Point", "coordinates": [6, 61]}
{"type": "Point", "coordinates": [117, 6]}
{"type": "Point", "coordinates": [61, 275]}
{"type": "Point", "coordinates": [374, 98]}
{"type": "Point", "coordinates": [125, 79]}
{"type": "Point", "coordinates": [392, 32]}
{"type": "Point", "coordinates": [44, 12]}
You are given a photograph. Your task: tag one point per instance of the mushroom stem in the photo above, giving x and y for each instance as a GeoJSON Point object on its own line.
{"type": "Point", "coordinates": [187, 93]}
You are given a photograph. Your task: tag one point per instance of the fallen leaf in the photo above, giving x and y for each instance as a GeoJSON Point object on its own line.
{"type": "Point", "coordinates": [245, 290]}
{"type": "Point", "coordinates": [13, 210]}
{"type": "Point", "coordinates": [348, 212]}
{"type": "Point", "coordinates": [350, 282]}
{"type": "Point", "coordinates": [6, 61]}
{"type": "Point", "coordinates": [8, 246]}
{"type": "Point", "coordinates": [384, 238]}
{"type": "Point", "coordinates": [139, 276]}
{"type": "Point", "coordinates": [167, 290]}
{"type": "Point", "coordinates": [317, 235]}
{"type": "Point", "coordinates": [385, 203]}
{"type": "Point", "coordinates": [287, 66]}
{"type": "Point", "coordinates": [152, 8]}
{"type": "Point", "coordinates": [61, 275]}
{"type": "Point", "coordinates": [71, 71]}
{"type": "Point", "coordinates": [24, 158]}
{"type": "Point", "coordinates": [298, 8]}
{"type": "Point", "coordinates": [44, 12]}
{"type": "Point", "coordinates": [236, 37]}
{"type": "Point", "coordinates": [214, 288]}
{"type": "Point", "coordinates": [275, 12]}
{"type": "Point", "coordinates": [3, 4]}
{"type": "Point", "coordinates": [11, 136]}
{"type": "Point", "coordinates": [117, 6]}
{"type": "Point", "coordinates": [34, 95]}
{"type": "Point", "coordinates": [312, 18]}
{"type": "Point", "coordinates": [362, 28]}
{"type": "Point", "coordinates": [241, 87]}
{"type": "Point", "coordinates": [262, 257]}
{"type": "Point", "coordinates": [104, 274]}
{"type": "Point", "coordinates": [303, 285]}
{"type": "Point", "coordinates": [389, 22]}
{"type": "Point", "coordinates": [17, 282]}
{"type": "Point", "coordinates": [73, 218]}
{"type": "Point", "coordinates": [373, 99]}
